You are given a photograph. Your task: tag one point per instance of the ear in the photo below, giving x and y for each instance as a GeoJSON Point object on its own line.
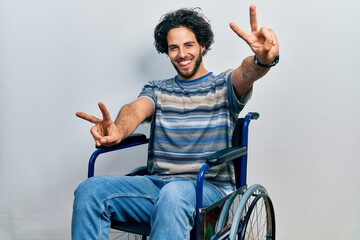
{"type": "Point", "coordinates": [202, 48]}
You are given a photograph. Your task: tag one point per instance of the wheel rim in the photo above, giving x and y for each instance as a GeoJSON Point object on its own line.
{"type": "Point", "coordinates": [259, 222]}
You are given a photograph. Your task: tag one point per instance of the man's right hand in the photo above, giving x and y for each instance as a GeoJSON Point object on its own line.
{"type": "Point", "coordinates": [105, 132]}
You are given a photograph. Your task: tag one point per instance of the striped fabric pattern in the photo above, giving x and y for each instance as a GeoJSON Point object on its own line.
{"type": "Point", "coordinates": [192, 120]}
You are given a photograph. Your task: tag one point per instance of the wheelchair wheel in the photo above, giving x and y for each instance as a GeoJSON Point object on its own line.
{"type": "Point", "coordinates": [254, 217]}
{"type": "Point", "coordinates": [119, 235]}
{"type": "Point", "coordinates": [260, 219]}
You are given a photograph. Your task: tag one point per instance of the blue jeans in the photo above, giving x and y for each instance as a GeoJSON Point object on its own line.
{"type": "Point", "coordinates": [169, 205]}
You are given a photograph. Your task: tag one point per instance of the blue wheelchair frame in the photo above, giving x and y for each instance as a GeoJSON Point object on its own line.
{"type": "Point", "coordinates": [237, 152]}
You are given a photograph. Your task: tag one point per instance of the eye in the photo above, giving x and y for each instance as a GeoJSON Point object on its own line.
{"type": "Point", "coordinates": [172, 48]}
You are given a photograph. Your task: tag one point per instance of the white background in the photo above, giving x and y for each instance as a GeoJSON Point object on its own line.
{"type": "Point", "coordinates": [62, 56]}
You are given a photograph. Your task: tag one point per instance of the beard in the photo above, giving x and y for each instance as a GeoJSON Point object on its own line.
{"type": "Point", "coordinates": [189, 75]}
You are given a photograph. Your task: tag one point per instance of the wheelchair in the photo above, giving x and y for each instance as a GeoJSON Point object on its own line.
{"type": "Point", "coordinates": [247, 213]}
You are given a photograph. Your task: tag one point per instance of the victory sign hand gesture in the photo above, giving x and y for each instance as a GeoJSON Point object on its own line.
{"type": "Point", "coordinates": [105, 132]}
{"type": "Point", "coordinates": [262, 42]}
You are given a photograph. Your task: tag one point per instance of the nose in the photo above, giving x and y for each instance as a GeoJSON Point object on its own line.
{"type": "Point", "coordinates": [182, 52]}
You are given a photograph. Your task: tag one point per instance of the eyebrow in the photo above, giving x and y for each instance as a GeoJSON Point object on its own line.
{"type": "Point", "coordinates": [175, 45]}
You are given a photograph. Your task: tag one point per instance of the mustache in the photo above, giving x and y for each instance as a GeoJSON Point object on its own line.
{"type": "Point", "coordinates": [179, 59]}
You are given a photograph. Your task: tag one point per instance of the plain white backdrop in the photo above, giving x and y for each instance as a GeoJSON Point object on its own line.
{"type": "Point", "coordinates": [59, 57]}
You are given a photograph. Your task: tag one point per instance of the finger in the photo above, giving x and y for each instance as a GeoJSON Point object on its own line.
{"type": "Point", "coordinates": [275, 41]}
{"type": "Point", "coordinates": [87, 117]}
{"type": "Point", "coordinates": [101, 140]}
{"type": "Point", "coordinates": [269, 38]}
{"type": "Point", "coordinates": [253, 18]}
{"type": "Point", "coordinates": [108, 141]}
{"type": "Point", "coordinates": [241, 33]}
{"type": "Point", "coordinates": [96, 135]}
{"type": "Point", "coordinates": [105, 113]}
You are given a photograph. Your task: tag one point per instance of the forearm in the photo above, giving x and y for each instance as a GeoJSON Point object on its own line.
{"type": "Point", "coordinates": [246, 74]}
{"type": "Point", "coordinates": [132, 115]}
{"type": "Point", "coordinates": [250, 71]}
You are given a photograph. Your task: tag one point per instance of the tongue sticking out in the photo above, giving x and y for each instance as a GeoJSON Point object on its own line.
{"type": "Point", "coordinates": [184, 63]}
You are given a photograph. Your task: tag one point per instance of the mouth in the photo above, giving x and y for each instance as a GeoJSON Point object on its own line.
{"type": "Point", "coordinates": [184, 63]}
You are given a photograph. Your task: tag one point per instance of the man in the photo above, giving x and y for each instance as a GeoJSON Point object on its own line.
{"type": "Point", "coordinates": [192, 114]}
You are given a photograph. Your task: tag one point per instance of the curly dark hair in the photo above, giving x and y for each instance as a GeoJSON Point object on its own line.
{"type": "Point", "coordinates": [184, 17]}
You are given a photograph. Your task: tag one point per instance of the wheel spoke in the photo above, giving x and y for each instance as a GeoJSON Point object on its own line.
{"type": "Point", "coordinates": [257, 221]}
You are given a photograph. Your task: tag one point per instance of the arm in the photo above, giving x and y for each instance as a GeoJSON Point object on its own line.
{"type": "Point", "coordinates": [108, 133]}
{"type": "Point", "coordinates": [264, 44]}
{"type": "Point", "coordinates": [133, 114]}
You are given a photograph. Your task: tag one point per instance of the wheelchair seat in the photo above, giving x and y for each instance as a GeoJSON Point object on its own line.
{"type": "Point", "coordinates": [131, 227]}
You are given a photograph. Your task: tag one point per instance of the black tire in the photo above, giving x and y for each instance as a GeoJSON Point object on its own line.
{"type": "Point", "coordinates": [259, 223]}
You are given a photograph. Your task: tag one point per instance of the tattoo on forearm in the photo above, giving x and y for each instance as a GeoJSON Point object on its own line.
{"type": "Point", "coordinates": [252, 72]}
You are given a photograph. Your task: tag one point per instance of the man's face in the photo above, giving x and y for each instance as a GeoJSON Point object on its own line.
{"type": "Point", "coordinates": [185, 53]}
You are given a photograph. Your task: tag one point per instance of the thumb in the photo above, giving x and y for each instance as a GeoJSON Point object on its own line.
{"type": "Point", "coordinates": [109, 140]}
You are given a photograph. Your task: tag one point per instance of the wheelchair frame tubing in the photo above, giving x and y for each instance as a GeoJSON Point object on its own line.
{"type": "Point", "coordinates": [244, 143]}
{"type": "Point", "coordinates": [199, 195]}
{"type": "Point", "coordinates": [101, 150]}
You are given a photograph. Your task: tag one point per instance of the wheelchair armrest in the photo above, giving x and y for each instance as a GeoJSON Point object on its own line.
{"type": "Point", "coordinates": [127, 142]}
{"type": "Point", "coordinates": [131, 141]}
{"type": "Point", "coordinates": [226, 155]}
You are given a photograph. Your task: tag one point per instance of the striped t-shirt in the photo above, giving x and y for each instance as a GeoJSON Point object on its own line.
{"type": "Point", "coordinates": [192, 120]}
